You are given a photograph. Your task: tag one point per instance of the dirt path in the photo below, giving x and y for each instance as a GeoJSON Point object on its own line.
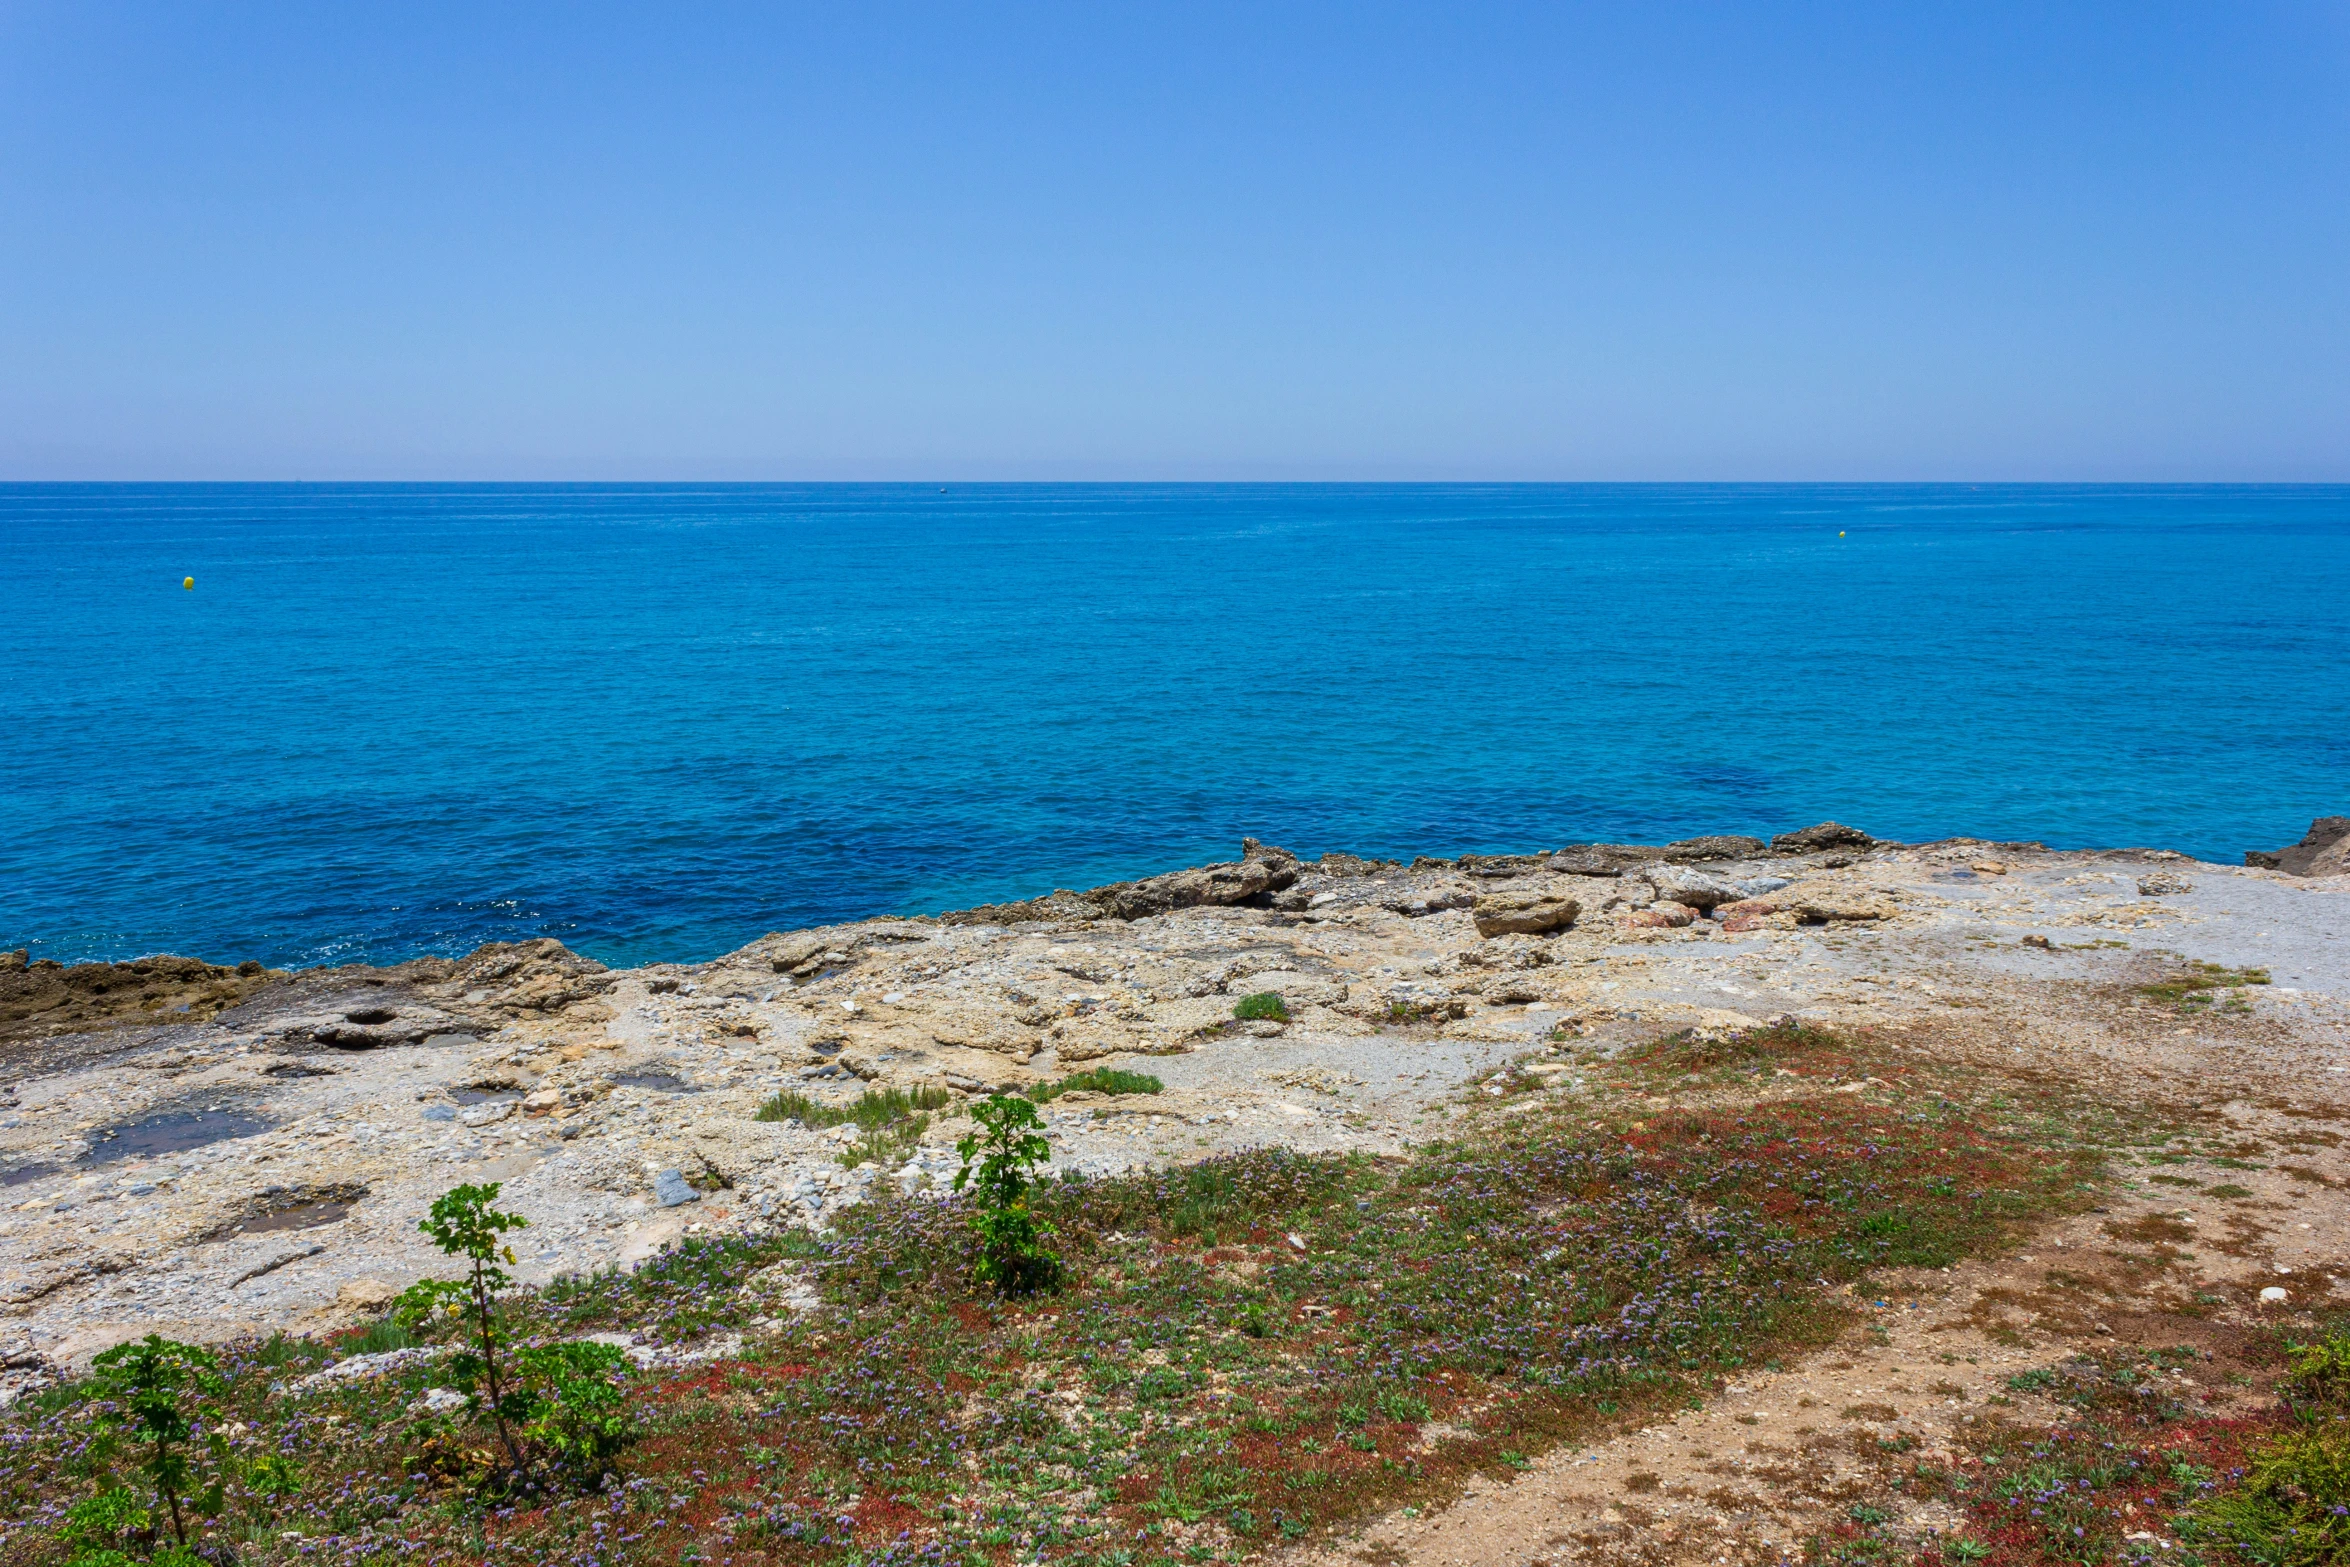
{"type": "Point", "coordinates": [2251, 1197]}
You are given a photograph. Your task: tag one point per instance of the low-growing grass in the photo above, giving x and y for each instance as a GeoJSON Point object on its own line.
{"type": "Point", "coordinates": [1243, 1351]}
{"type": "Point", "coordinates": [1099, 1080]}
{"type": "Point", "coordinates": [891, 1120]}
{"type": "Point", "coordinates": [2198, 985]}
{"type": "Point", "coordinates": [873, 1109]}
{"type": "Point", "coordinates": [1695, 1051]}
{"type": "Point", "coordinates": [1266, 1007]}
{"type": "Point", "coordinates": [2135, 1472]}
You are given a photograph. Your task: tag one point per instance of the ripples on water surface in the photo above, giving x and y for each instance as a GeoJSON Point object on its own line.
{"type": "Point", "coordinates": [656, 721]}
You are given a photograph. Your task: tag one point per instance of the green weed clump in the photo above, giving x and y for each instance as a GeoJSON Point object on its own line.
{"type": "Point", "coordinates": [999, 1166]}
{"type": "Point", "coordinates": [2292, 1509]}
{"type": "Point", "coordinates": [2319, 1373]}
{"type": "Point", "coordinates": [152, 1396]}
{"type": "Point", "coordinates": [891, 1119]}
{"type": "Point", "coordinates": [1100, 1080]}
{"type": "Point", "coordinates": [873, 1109]}
{"type": "Point", "coordinates": [2198, 986]}
{"type": "Point", "coordinates": [1267, 1007]}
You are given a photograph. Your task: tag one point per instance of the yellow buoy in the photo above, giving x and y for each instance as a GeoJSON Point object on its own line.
{"type": "Point", "coordinates": [1839, 534]}
{"type": "Point", "coordinates": [187, 582]}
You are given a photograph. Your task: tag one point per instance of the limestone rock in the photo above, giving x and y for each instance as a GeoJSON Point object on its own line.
{"type": "Point", "coordinates": [1261, 870]}
{"type": "Point", "coordinates": [1706, 889]}
{"type": "Point", "coordinates": [1090, 1039]}
{"type": "Point", "coordinates": [1494, 867]}
{"type": "Point", "coordinates": [45, 997]}
{"type": "Point", "coordinates": [1716, 1026]}
{"type": "Point", "coordinates": [1818, 902]}
{"type": "Point", "coordinates": [1508, 952]}
{"type": "Point", "coordinates": [366, 1294]}
{"type": "Point", "coordinates": [1825, 836]}
{"type": "Point", "coordinates": [1340, 864]}
{"type": "Point", "coordinates": [1602, 859]}
{"type": "Point", "coordinates": [973, 1027]}
{"type": "Point", "coordinates": [1439, 899]}
{"type": "Point", "coordinates": [1298, 990]}
{"type": "Point", "coordinates": [1720, 846]}
{"type": "Point", "coordinates": [1663, 915]}
{"type": "Point", "coordinates": [1524, 912]}
{"type": "Point", "coordinates": [542, 975]}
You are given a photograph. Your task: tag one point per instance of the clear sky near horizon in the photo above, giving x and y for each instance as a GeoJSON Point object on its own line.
{"type": "Point", "coordinates": [2018, 241]}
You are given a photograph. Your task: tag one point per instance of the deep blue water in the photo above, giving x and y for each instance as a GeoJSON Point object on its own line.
{"type": "Point", "coordinates": [658, 720]}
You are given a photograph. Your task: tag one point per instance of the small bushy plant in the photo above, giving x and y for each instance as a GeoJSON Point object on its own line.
{"type": "Point", "coordinates": [1099, 1080]}
{"type": "Point", "coordinates": [873, 1109]}
{"type": "Point", "coordinates": [2293, 1509]}
{"type": "Point", "coordinates": [464, 1224]}
{"type": "Point", "coordinates": [581, 1412]}
{"type": "Point", "coordinates": [155, 1392]}
{"type": "Point", "coordinates": [2320, 1373]}
{"type": "Point", "coordinates": [1268, 1007]}
{"type": "Point", "coordinates": [1007, 1148]}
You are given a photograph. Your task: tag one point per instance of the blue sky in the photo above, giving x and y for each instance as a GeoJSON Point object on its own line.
{"type": "Point", "coordinates": [2040, 241]}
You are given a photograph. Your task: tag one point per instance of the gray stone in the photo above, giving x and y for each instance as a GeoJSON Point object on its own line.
{"type": "Point", "coordinates": [1703, 889]}
{"type": "Point", "coordinates": [1602, 859]}
{"type": "Point", "coordinates": [1261, 870]}
{"type": "Point", "coordinates": [1719, 846]}
{"type": "Point", "coordinates": [1294, 988]}
{"type": "Point", "coordinates": [670, 1189]}
{"type": "Point", "coordinates": [1827, 835]}
{"type": "Point", "coordinates": [1527, 912]}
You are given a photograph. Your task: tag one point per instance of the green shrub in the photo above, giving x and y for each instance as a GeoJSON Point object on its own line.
{"type": "Point", "coordinates": [1100, 1080]}
{"type": "Point", "coordinates": [2293, 1509]}
{"type": "Point", "coordinates": [97, 1527]}
{"type": "Point", "coordinates": [2320, 1373]}
{"type": "Point", "coordinates": [463, 1224]}
{"type": "Point", "coordinates": [581, 1412]}
{"type": "Point", "coordinates": [1008, 1148]}
{"type": "Point", "coordinates": [157, 1389]}
{"type": "Point", "coordinates": [1267, 1007]}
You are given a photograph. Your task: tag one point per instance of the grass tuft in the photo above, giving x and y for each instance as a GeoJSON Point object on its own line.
{"type": "Point", "coordinates": [2197, 986]}
{"type": "Point", "coordinates": [873, 1109]}
{"type": "Point", "coordinates": [1100, 1080]}
{"type": "Point", "coordinates": [1265, 1007]}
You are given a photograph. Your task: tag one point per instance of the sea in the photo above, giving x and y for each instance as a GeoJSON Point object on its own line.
{"type": "Point", "coordinates": [332, 723]}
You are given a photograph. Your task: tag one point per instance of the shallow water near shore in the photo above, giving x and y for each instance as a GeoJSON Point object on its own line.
{"type": "Point", "coordinates": [655, 721]}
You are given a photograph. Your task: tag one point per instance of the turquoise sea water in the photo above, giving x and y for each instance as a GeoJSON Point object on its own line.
{"type": "Point", "coordinates": [656, 721]}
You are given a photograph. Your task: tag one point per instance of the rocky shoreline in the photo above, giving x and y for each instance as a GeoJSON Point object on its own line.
{"type": "Point", "coordinates": [207, 1151]}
